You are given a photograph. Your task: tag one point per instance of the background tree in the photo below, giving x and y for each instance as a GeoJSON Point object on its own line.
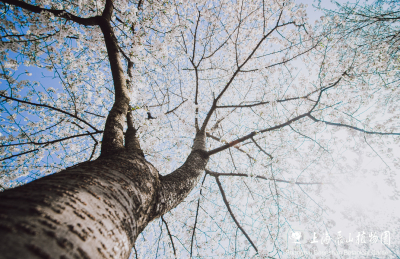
{"type": "Point", "coordinates": [212, 92]}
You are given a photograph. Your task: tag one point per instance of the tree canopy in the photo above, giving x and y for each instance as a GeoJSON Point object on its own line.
{"type": "Point", "coordinates": [280, 100]}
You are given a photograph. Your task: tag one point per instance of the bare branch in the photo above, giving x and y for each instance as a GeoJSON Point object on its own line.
{"type": "Point", "coordinates": [20, 154]}
{"type": "Point", "coordinates": [50, 107]}
{"type": "Point", "coordinates": [52, 141]}
{"type": "Point", "coordinates": [352, 127]}
{"type": "Point", "coordinates": [231, 213]}
{"type": "Point", "coordinates": [136, 254]}
{"type": "Point", "coordinates": [214, 105]}
{"type": "Point", "coordinates": [261, 148]}
{"type": "Point", "coordinates": [58, 13]}
{"type": "Point", "coordinates": [215, 174]}
{"type": "Point", "coordinates": [238, 148]}
{"type": "Point", "coordinates": [169, 234]}
{"type": "Point", "coordinates": [195, 221]}
{"type": "Point", "coordinates": [301, 134]}
{"type": "Point", "coordinates": [174, 109]}
{"type": "Point", "coordinates": [101, 116]}
{"type": "Point", "coordinates": [93, 151]}
{"type": "Point", "coordinates": [94, 147]}
{"type": "Point", "coordinates": [108, 9]}
{"type": "Point", "coordinates": [252, 134]}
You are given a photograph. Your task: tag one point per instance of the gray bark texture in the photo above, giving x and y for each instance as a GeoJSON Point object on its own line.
{"type": "Point", "coordinates": [92, 210]}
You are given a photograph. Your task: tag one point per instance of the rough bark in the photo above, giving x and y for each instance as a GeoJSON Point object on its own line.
{"type": "Point", "coordinates": [94, 209]}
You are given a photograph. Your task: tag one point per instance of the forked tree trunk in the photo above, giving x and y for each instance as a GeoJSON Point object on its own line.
{"type": "Point", "coordinates": [92, 210]}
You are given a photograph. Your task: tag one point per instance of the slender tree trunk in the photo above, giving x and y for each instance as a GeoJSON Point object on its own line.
{"type": "Point", "coordinates": [92, 210]}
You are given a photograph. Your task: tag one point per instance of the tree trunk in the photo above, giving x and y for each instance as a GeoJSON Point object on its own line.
{"type": "Point", "coordinates": [91, 210]}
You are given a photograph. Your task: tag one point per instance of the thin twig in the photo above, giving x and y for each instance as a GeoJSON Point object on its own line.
{"type": "Point", "coordinates": [261, 148]}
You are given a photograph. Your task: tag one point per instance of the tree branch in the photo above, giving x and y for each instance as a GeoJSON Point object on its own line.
{"type": "Point", "coordinates": [101, 116]}
{"type": "Point", "coordinates": [108, 9]}
{"type": "Point", "coordinates": [231, 213]}
{"type": "Point", "coordinates": [238, 148]}
{"type": "Point", "coordinates": [261, 148]}
{"type": "Point", "coordinates": [195, 221]}
{"type": "Point", "coordinates": [20, 154]}
{"type": "Point", "coordinates": [252, 134]}
{"type": "Point", "coordinates": [169, 234]}
{"type": "Point", "coordinates": [301, 134]}
{"type": "Point", "coordinates": [215, 174]}
{"type": "Point", "coordinates": [174, 109]}
{"type": "Point", "coordinates": [351, 127]}
{"type": "Point", "coordinates": [214, 105]}
{"type": "Point", "coordinates": [50, 107]}
{"type": "Point", "coordinates": [52, 141]}
{"type": "Point", "coordinates": [91, 21]}
{"type": "Point", "coordinates": [94, 147]}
